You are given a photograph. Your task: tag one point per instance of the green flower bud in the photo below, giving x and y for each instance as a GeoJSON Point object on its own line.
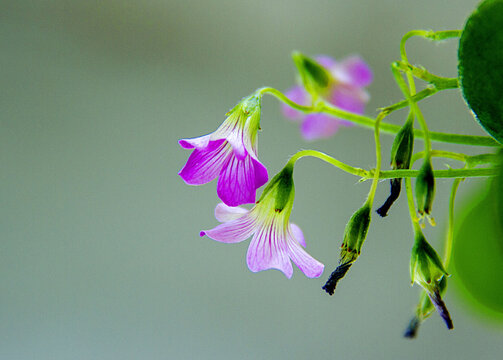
{"type": "Point", "coordinates": [426, 268]}
{"type": "Point", "coordinates": [354, 236]}
{"type": "Point", "coordinates": [425, 188]}
{"type": "Point", "coordinates": [401, 154]}
{"type": "Point", "coordinates": [315, 78]}
{"type": "Point", "coordinates": [403, 145]}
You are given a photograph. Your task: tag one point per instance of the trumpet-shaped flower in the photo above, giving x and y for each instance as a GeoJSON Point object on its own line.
{"type": "Point", "coordinates": [229, 153]}
{"type": "Point", "coordinates": [346, 91]}
{"type": "Point", "coordinates": [276, 242]}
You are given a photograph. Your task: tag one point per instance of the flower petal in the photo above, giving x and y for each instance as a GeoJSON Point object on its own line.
{"type": "Point", "coordinates": [261, 176]}
{"type": "Point", "coordinates": [349, 99]}
{"type": "Point", "coordinates": [224, 213]}
{"type": "Point", "coordinates": [235, 138]}
{"type": "Point", "coordinates": [356, 70]}
{"type": "Point", "coordinates": [236, 184]}
{"type": "Point", "coordinates": [326, 61]}
{"type": "Point", "coordinates": [198, 142]}
{"type": "Point", "coordinates": [306, 263]}
{"type": "Point", "coordinates": [205, 164]}
{"type": "Point", "coordinates": [233, 231]}
{"type": "Point", "coordinates": [298, 95]}
{"type": "Point", "coordinates": [318, 126]}
{"type": "Point", "coordinates": [268, 250]}
{"type": "Point", "coordinates": [297, 234]}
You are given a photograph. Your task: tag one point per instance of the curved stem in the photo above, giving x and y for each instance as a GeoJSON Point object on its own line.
{"type": "Point", "coordinates": [391, 174]}
{"type": "Point", "coordinates": [331, 160]}
{"type": "Point", "coordinates": [368, 122]}
{"type": "Point", "coordinates": [440, 153]}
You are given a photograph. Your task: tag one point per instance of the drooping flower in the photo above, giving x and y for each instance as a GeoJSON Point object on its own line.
{"type": "Point", "coordinates": [229, 153]}
{"type": "Point", "coordinates": [346, 90]}
{"type": "Point", "coordinates": [276, 242]}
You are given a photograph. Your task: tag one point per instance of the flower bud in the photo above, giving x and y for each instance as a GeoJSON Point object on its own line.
{"type": "Point", "coordinates": [426, 268]}
{"type": "Point", "coordinates": [403, 145]}
{"type": "Point", "coordinates": [425, 188]}
{"type": "Point", "coordinates": [401, 154]}
{"type": "Point", "coordinates": [354, 236]}
{"type": "Point", "coordinates": [315, 78]}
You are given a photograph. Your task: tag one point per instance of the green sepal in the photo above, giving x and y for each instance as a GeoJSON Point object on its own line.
{"type": "Point", "coordinates": [315, 78]}
{"type": "Point", "coordinates": [283, 187]}
{"type": "Point", "coordinates": [355, 234]}
{"type": "Point", "coordinates": [403, 145]}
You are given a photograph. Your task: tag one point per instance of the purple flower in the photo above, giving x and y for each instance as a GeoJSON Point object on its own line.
{"type": "Point", "coordinates": [347, 92]}
{"type": "Point", "coordinates": [229, 153]}
{"type": "Point", "coordinates": [275, 240]}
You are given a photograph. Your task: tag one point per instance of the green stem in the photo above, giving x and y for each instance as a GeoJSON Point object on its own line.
{"type": "Point", "coordinates": [368, 122]}
{"type": "Point", "coordinates": [439, 82]}
{"type": "Point", "coordinates": [390, 174]}
{"type": "Point", "coordinates": [329, 159]}
{"type": "Point", "coordinates": [470, 160]}
{"type": "Point", "coordinates": [375, 181]}
{"type": "Point", "coordinates": [449, 173]}
{"type": "Point", "coordinates": [441, 153]}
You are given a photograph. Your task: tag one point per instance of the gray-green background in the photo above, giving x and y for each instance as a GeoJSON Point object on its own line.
{"type": "Point", "coordinates": [100, 256]}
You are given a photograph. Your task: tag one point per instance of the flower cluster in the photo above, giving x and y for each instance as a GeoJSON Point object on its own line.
{"type": "Point", "coordinates": [230, 153]}
{"type": "Point", "coordinates": [329, 91]}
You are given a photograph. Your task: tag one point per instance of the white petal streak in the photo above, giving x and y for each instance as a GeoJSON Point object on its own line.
{"type": "Point", "coordinates": [224, 213]}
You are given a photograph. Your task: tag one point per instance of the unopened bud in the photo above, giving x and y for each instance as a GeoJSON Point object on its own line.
{"type": "Point", "coordinates": [354, 236]}
{"type": "Point", "coordinates": [401, 154]}
{"type": "Point", "coordinates": [425, 188]}
{"type": "Point", "coordinates": [315, 78]}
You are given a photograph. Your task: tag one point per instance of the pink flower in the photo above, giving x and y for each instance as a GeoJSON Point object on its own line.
{"type": "Point", "coordinates": [229, 153]}
{"type": "Point", "coordinates": [347, 92]}
{"type": "Point", "coordinates": [275, 240]}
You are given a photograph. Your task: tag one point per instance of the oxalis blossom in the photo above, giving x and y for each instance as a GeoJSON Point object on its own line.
{"type": "Point", "coordinates": [346, 90]}
{"type": "Point", "coordinates": [229, 153]}
{"type": "Point", "coordinates": [276, 242]}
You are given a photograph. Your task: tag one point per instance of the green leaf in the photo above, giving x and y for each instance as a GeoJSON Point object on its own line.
{"type": "Point", "coordinates": [480, 66]}
{"type": "Point", "coordinates": [478, 252]}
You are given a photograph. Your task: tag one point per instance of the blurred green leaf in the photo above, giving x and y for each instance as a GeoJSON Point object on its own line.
{"type": "Point", "coordinates": [478, 250]}
{"type": "Point", "coordinates": [480, 65]}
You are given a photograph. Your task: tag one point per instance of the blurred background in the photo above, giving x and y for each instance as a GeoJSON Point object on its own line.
{"type": "Point", "coordinates": [100, 256]}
